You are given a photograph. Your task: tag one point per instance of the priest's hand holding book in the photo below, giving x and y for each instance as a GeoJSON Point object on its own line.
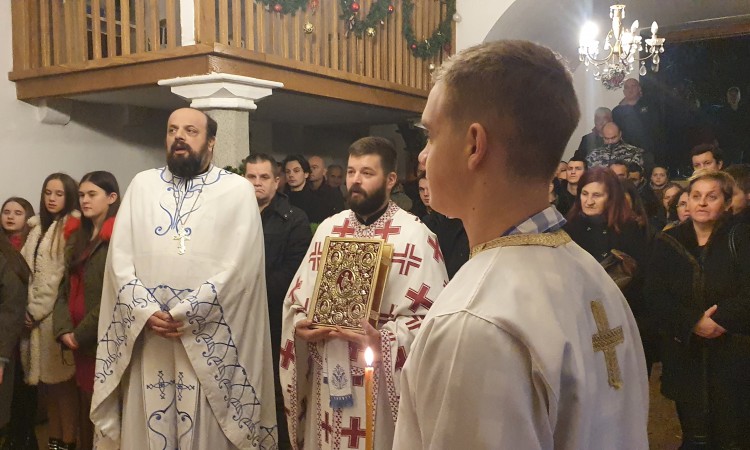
{"type": "Point", "coordinates": [371, 337]}
{"type": "Point", "coordinates": [306, 332]}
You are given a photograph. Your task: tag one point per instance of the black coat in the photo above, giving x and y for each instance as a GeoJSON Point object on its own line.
{"type": "Point", "coordinates": [317, 205]}
{"type": "Point", "coordinates": [13, 297]}
{"type": "Point", "coordinates": [682, 282]}
{"type": "Point", "coordinates": [286, 234]}
{"type": "Point", "coordinates": [598, 239]}
{"type": "Point", "coordinates": [452, 238]}
{"type": "Point", "coordinates": [588, 143]}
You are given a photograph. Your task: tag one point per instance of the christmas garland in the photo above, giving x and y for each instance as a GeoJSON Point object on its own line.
{"type": "Point", "coordinates": [441, 37]}
{"type": "Point", "coordinates": [285, 6]}
{"type": "Point", "coordinates": [379, 12]}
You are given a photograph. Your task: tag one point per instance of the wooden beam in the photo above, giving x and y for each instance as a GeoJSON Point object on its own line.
{"type": "Point", "coordinates": [19, 35]}
{"type": "Point", "coordinates": [111, 28]}
{"type": "Point", "coordinates": [287, 64]}
{"type": "Point", "coordinates": [110, 78]}
{"type": "Point", "coordinates": [205, 15]}
{"type": "Point", "coordinates": [306, 83]}
{"type": "Point", "coordinates": [171, 24]}
{"type": "Point", "coordinates": [146, 69]}
{"type": "Point", "coordinates": [116, 62]}
{"type": "Point", "coordinates": [709, 32]}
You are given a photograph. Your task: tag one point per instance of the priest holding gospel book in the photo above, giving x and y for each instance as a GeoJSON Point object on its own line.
{"type": "Point", "coordinates": [531, 345]}
{"type": "Point", "coordinates": [322, 368]}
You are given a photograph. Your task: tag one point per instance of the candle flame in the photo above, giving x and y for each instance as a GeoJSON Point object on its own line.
{"type": "Point", "coordinates": [369, 356]}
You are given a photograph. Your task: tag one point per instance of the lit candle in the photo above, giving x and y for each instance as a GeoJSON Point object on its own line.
{"type": "Point", "coordinates": [369, 422]}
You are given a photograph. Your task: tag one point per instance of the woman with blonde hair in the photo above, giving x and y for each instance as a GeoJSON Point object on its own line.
{"type": "Point", "coordinates": [698, 285]}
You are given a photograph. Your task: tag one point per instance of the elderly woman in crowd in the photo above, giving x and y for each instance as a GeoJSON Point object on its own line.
{"type": "Point", "coordinates": [698, 284]}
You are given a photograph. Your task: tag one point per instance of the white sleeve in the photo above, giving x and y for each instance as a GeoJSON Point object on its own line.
{"type": "Point", "coordinates": [469, 384]}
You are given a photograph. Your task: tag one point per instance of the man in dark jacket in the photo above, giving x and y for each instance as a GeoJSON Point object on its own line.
{"type": "Point", "coordinates": [287, 234]}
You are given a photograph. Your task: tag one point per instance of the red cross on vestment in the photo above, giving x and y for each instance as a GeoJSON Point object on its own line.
{"type": "Point", "coordinates": [297, 285]}
{"type": "Point", "coordinates": [414, 323]}
{"type": "Point", "coordinates": [287, 354]}
{"type": "Point", "coordinates": [436, 252]}
{"type": "Point", "coordinates": [326, 426]}
{"type": "Point", "coordinates": [400, 357]}
{"type": "Point", "coordinates": [419, 298]}
{"type": "Point", "coordinates": [354, 432]}
{"type": "Point", "coordinates": [407, 260]}
{"type": "Point", "coordinates": [358, 380]}
{"type": "Point", "coordinates": [344, 230]}
{"type": "Point", "coordinates": [315, 256]}
{"type": "Point", "coordinates": [386, 230]}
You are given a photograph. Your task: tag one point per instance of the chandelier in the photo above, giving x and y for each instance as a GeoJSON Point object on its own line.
{"type": "Point", "coordinates": [622, 50]}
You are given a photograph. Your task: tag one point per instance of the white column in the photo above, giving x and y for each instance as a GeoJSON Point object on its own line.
{"type": "Point", "coordinates": [228, 99]}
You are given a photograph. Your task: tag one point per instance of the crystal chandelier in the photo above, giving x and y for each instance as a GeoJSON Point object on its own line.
{"type": "Point", "coordinates": [622, 48]}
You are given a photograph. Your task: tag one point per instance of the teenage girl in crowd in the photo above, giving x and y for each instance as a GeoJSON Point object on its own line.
{"type": "Point", "coordinates": [45, 362]}
{"type": "Point", "coordinates": [76, 315]}
{"type": "Point", "coordinates": [14, 277]}
{"type": "Point", "coordinates": [19, 435]}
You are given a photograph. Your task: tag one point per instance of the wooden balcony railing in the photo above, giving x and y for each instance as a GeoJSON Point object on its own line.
{"type": "Point", "coordinates": [76, 34]}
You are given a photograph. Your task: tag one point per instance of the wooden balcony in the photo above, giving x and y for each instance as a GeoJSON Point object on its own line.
{"type": "Point", "coordinates": [68, 48]}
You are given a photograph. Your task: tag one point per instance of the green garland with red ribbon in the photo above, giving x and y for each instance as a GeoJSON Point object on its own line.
{"type": "Point", "coordinates": [285, 6]}
{"type": "Point", "coordinates": [441, 37]}
{"type": "Point", "coordinates": [439, 41]}
{"type": "Point", "coordinates": [377, 15]}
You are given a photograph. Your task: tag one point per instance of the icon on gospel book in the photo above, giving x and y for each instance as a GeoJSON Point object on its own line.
{"type": "Point", "coordinates": [350, 282]}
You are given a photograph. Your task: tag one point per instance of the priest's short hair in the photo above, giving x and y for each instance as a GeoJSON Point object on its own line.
{"type": "Point", "coordinates": [373, 145]}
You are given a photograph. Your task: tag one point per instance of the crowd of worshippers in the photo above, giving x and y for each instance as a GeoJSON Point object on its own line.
{"type": "Point", "coordinates": [678, 251]}
{"type": "Point", "coordinates": [653, 132]}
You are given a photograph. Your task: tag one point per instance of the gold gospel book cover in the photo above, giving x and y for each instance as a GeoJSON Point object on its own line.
{"type": "Point", "coordinates": [350, 282]}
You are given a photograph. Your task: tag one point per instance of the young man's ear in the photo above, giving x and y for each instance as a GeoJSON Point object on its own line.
{"type": "Point", "coordinates": [476, 143]}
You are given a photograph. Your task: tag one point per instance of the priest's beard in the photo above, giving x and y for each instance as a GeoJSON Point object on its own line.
{"type": "Point", "coordinates": [368, 203]}
{"type": "Point", "coordinates": [191, 164]}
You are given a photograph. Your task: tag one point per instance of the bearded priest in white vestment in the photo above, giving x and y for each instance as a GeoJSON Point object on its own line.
{"type": "Point", "coordinates": [322, 370]}
{"type": "Point", "coordinates": [184, 356]}
{"type": "Point", "coordinates": [531, 345]}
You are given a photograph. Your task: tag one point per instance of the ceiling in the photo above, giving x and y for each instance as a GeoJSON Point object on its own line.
{"type": "Point", "coordinates": [280, 107]}
{"type": "Point", "coordinates": [557, 23]}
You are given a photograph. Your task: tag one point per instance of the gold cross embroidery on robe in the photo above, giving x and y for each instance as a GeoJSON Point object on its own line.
{"type": "Point", "coordinates": [605, 341]}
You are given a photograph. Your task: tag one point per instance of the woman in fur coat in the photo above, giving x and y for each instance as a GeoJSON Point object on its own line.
{"type": "Point", "coordinates": [44, 360]}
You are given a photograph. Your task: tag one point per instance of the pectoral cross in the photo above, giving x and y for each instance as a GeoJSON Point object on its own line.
{"type": "Point", "coordinates": [182, 237]}
{"type": "Point", "coordinates": [605, 341]}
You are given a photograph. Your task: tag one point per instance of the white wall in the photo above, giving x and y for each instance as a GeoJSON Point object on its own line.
{"type": "Point", "coordinates": [95, 138]}
{"type": "Point", "coordinates": [477, 19]}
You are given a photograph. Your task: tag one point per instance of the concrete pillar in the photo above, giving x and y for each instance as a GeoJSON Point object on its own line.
{"type": "Point", "coordinates": [233, 137]}
{"type": "Point", "coordinates": [228, 99]}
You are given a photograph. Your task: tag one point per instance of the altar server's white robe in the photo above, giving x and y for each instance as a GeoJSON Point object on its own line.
{"type": "Point", "coordinates": [416, 277]}
{"type": "Point", "coordinates": [505, 358]}
{"type": "Point", "coordinates": [213, 387]}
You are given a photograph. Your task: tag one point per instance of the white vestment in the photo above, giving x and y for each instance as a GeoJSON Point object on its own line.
{"type": "Point", "coordinates": [416, 277]}
{"type": "Point", "coordinates": [512, 356]}
{"type": "Point", "coordinates": [194, 248]}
